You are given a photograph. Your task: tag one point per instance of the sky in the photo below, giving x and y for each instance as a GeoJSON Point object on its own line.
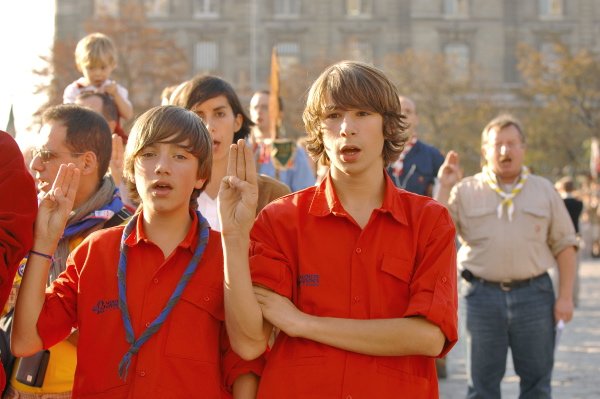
{"type": "Point", "coordinates": [26, 32]}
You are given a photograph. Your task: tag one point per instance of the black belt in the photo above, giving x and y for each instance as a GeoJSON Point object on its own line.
{"type": "Point", "coordinates": [503, 285]}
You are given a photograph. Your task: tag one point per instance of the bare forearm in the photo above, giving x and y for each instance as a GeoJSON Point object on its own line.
{"type": "Point", "coordinates": [125, 109]}
{"type": "Point", "coordinates": [442, 194]}
{"type": "Point", "coordinates": [25, 339]}
{"type": "Point", "coordinates": [566, 261]}
{"type": "Point", "coordinates": [243, 315]}
{"type": "Point", "coordinates": [377, 337]}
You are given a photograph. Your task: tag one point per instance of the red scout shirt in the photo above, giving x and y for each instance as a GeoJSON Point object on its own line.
{"type": "Point", "coordinates": [403, 263]}
{"type": "Point", "coordinates": [183, 359]}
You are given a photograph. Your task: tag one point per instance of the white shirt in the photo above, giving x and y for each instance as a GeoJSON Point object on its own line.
{"type": "Point", "coordinates": [208, 208]}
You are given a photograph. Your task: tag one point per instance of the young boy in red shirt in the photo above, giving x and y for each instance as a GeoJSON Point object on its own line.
{"type": "Point", "coordinates": [147, 298]}
{"type": "Point", "coordinates": [359, 276]}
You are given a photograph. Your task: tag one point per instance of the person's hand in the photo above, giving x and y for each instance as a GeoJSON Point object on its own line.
{"type": "Point", "coordinates": [55, 208]}
{"type": "Point", "coordinates": [115, 166]}
{"type": "Point", "coordinates": [238, 193]}
{"type": "Point", "coordinates": [450, 172]}
{"type": "Point", "coordinates": [280, 311]}
{"type": "Point", "coordinates": [563, 309]}
{"type": "Point", "coordinates": [111, 88]}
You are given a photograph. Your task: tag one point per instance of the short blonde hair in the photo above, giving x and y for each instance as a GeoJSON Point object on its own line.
{"type": "Point", "coordinates": [168, 124]}
{"type": "Point", "coordinates": [354, 85]}
{"type": "Point", "coordinates": [94, 49]}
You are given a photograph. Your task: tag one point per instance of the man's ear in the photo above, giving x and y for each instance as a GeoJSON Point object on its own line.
{"type": "Point", "coordinates": [90, 163]}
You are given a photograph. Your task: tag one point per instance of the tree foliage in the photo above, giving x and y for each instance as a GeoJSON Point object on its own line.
{"type": "Point", "coordinates": [452, 109]}
{"type": "Point", "coordinates": [561, 104]}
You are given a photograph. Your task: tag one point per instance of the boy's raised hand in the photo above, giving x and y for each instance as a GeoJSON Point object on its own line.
{"type": "Point", "coordinates": [238, 194]}
{"type": "Point", "coordinates": [55, 208]}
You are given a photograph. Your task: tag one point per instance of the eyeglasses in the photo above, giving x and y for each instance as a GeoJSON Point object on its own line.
{"type": "Point", "coordinates": [47, 155]}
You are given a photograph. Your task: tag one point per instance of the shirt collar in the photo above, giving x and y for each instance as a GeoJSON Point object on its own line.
{"type": "Point", "coordinates": [325, 201]}
{"type": "Point", "coordinates": [138, 234]}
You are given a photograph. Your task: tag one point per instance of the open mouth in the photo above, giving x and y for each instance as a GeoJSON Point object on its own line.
{"type": "Point", "coordinates": [161, 185]}
{"type": "Point", "coordinates": [349, 150]}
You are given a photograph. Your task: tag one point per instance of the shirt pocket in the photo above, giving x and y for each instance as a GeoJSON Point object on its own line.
{"type": "Point", "coordinates": [396, 274]}
{"type": "Point", "coordinates": [479, 223]}
{"type": "Point", "coordinates": [535, 223]}
{"type": "Point", "coordinates": [194, 325]}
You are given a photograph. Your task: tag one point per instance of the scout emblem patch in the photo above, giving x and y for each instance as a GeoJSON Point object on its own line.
{"type": "Point", "coordinates": [283, 152]}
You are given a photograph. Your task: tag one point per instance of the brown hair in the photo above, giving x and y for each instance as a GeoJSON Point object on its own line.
{"type": "Point", "coordinates": [203, 88]}
{"type": "Point", "coordinates": [169, 124]}
{"type": "Point", "coordinates": [86, 131]}
{"type": "Point", "coordinates": [354, 85]}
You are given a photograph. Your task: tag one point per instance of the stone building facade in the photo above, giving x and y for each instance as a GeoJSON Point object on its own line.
{"type": "Point", "coordinates": [234, 38]}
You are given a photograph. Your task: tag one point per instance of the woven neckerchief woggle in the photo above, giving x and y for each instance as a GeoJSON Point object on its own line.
{"type": "Point", "coordinates": [136, 344]}
{"type": "Point", "coordinates": [506, 198]}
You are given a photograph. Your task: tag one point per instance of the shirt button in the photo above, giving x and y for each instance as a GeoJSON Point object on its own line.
{"type": "Point", "coordinates": [349, 397]}
{"type": "Point", "coordinates": [147, 324]}
{"type": "Point", "coordinates": [206, 298]}
{"type": "Point", "coordinates": [444, 279]}
{"type": "Point", "coordinates": [358, 250]}
{"type": "Point", "coordinates": [155, 281]}
{"type": "Point", "coordinates": [357, 299]}
{"type": "Point", "coordinates": [142, 373]}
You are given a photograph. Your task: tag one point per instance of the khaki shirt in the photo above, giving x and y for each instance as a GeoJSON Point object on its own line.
{"type": "Point", "coordinates": [498, 250]}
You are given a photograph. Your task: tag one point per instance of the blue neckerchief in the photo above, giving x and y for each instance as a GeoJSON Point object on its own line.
{"type": "Point", "coordinates": [135, 345]}
{"type": "Point", "coordinates": [98, 216]}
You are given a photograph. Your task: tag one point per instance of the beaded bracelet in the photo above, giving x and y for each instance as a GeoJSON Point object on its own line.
{"type": "Point", "coordinates": [49, 257]}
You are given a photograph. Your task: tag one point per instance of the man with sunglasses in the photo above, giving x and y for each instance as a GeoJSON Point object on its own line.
{"type": "Point", "coordinates": [72, 134]}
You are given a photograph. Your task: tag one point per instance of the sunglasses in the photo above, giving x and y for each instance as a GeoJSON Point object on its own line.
{"type": "Point", "coordinates": [47, 155]}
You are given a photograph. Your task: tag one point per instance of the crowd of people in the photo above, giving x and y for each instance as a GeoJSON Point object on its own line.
{"type": "Point", "coordinates": [197, 255]}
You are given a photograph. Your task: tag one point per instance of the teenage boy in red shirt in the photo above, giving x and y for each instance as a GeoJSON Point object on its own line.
{"type": "Point", "coordinates": [147, 298]}
{"type": "Point", "coordinates": [359, 276]}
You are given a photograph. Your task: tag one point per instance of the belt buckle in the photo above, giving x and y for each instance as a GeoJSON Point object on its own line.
{"type": "Point", "coordinates": [505, 286]}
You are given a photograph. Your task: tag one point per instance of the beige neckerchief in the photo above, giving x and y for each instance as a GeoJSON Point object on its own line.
{"type": "Point", "coordinates": [507, 198]}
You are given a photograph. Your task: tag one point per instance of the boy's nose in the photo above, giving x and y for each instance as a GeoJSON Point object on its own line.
{"type": "Point", "coordinates": [347, 127]}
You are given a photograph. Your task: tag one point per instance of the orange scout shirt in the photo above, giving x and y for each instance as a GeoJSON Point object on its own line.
{"type": "Point", "coordinates": [188, 357]}
{"type": "Point", "coordinates": [306, 247]}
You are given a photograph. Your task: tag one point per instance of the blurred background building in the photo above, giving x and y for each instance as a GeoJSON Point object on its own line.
{"type": "Point", "coordinates": [233, 38]}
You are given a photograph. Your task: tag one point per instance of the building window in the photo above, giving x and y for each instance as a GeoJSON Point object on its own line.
{"type": "Point", "coordinates": [457, 60]}
{"type": "Point", "coordinates": [456, 8]}
{"type": "Point", "coordinates": [106, 8]}
{"type": "Point", "coordinates": [288, 54]}
{"type": "Point", "coordinates": [287, 8]}
{"type": "Point", "coordinates": [358, 8]}
{"type": "Point", "coordinates": [360, 50]}
{"type": "Point", "coordinates": [551, 8]}
{"type": "Point", "coordinates": [206, 8]}
{"type": "Point", "coordinates": [156, 8]}
{"type": "Point", "coordinates": [206, 57]}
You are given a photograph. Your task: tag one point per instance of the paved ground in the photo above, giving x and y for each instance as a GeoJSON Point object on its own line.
{"type": "Point", "coordinates": [577, 364]}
